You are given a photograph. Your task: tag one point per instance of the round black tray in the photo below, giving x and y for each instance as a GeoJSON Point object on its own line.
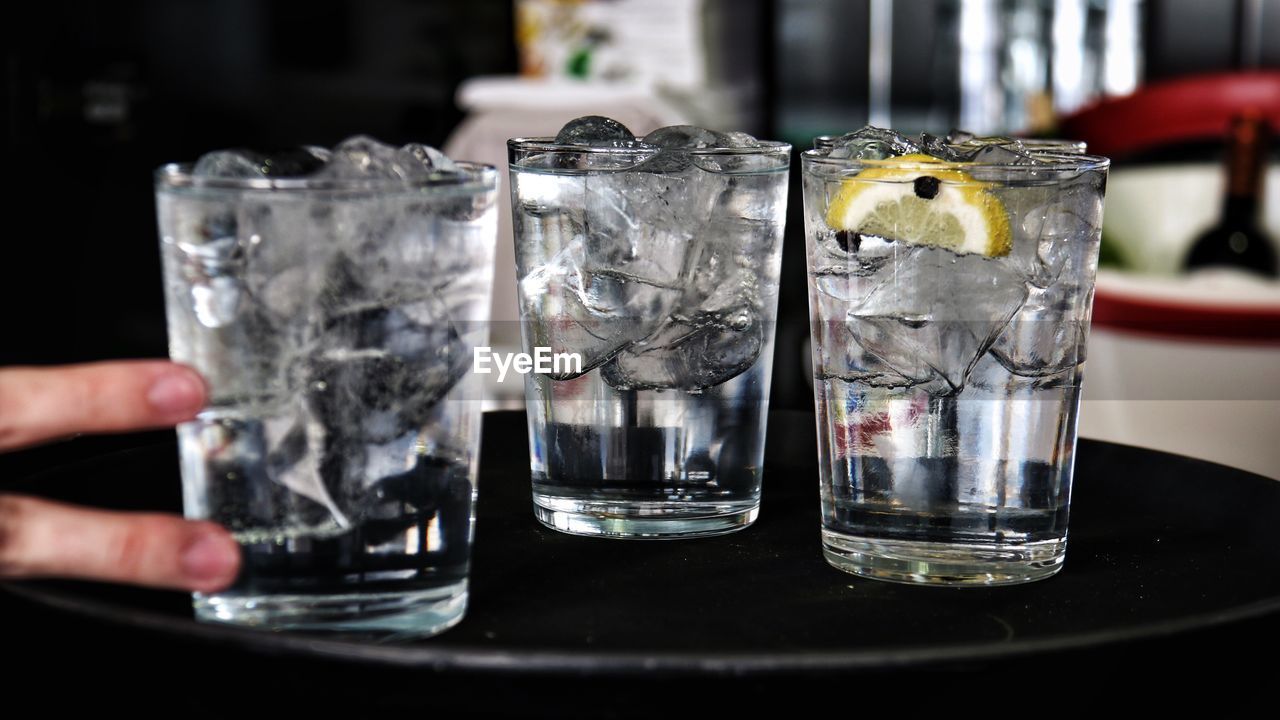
{"type": "Point", "coordinates": [1162, 547]}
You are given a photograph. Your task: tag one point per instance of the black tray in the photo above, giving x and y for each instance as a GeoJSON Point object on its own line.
{"type": "Point", "coordinates": [1164, 551]}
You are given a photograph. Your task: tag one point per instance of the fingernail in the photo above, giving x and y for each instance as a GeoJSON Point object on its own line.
{"type": "Point", "coordinates": [176, 392]}
{"type": "Point", "coordinates": [212, 556]}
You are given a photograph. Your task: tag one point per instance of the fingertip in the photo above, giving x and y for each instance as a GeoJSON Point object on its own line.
{"type": "Point", "coordinates": [210, 559]}
{"type": "Point", "coordinates": [178, 393]}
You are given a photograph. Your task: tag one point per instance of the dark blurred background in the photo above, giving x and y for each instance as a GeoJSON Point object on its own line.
{"type": "Point", "coordinates": [97, 95]}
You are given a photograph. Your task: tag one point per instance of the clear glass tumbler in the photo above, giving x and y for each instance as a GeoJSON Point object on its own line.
{"type": "Point", "coordinates": [334, 321]}
{"type": "Point", "coordinates": [658, 276]}
{"type": "Point", "coordinates": [950, 309]}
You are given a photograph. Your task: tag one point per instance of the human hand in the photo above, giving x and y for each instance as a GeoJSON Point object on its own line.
{"type": "Point", "coordinates": [39, 538]}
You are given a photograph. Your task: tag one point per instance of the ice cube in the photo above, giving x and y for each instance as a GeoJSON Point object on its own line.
{"type": "Point", "coordinates": [375, 395]}
{"type": "Point", "coordinates": [721, 276]}
{"type": "Point", "coordinates": [964, 147]}
{"type": "Point", "coordinates": [659, 255]}
{"type": "Point", "coordinates": [364, 158]}
{"type": "Point", "coordinates": [684, 137]}
{"type": "Point", "coordinates": [431, 159]}
{"type": "Point", "coordinates": [1047, 336]}
{"type": "Point", "coordinates": [737, 140]}
{"type": "Point", "coordinates": [241, 163]}
{"type": "Point", "coordinates": [715, 332]}
{"type": "Point", "coordinates": [216, 300]}
{"type": "Point", "coordinates": [259, 464]}
{"type": "Point", "coordinates": [1010, 152]}
{"type": "Point", "coordinates": [433, 489]}
{"type": "Point", "coordinates": [1059, 221]}
{"type": "Point", "coordinates": [618, 268]}
{"type": "Point", "coordinates": [690, 355]}
{"type": "Point", "coordinates": [594, 130]}
{"type": "Point", "coordinates": [846, 264]}
{"type": "Point", "coordinates": [213, 270]}
{"type": "Point", "coordinates": [872, 143]}
{"type": "Point", "coordinates": [297, 162]}
{"type": "Point", "coordinates": [576, 304]}
{"type": "Point", "coordinates": [940, 148]}
{"type": "Point", "coordinates": [296, 444]}
{"type": "Point", "coordinates": [381, 358]}
{"type": "Point", "coordinates": [839, 355]}
{"type": "Point", "coordinates": [676, 141]}
{"type": "Point", "coordinates": [231, 164]}
{"type": "Point", "coordinates": [932, 314]}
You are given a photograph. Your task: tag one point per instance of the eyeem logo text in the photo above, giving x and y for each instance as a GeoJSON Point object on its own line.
{"type": "Point", "coordinates": [541, 361]}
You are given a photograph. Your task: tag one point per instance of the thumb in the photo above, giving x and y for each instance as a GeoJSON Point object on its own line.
{"type": "Point", "coordinates": [39, 538]}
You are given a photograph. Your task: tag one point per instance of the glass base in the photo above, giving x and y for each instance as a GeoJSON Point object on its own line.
{"type": "Point", "coordinates": [934, 563]}
{"type": "Point", "coordinates": [652, 520]}
{"type": "Point", "coordinates": [411, 614]}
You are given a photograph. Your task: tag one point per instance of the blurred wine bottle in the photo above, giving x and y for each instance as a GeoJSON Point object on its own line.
{"type": "Point", "coordinates": [1237, 240]}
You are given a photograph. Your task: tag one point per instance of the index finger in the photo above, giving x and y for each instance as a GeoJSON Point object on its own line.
{"type": "Point", "coordinates": [38, 404]}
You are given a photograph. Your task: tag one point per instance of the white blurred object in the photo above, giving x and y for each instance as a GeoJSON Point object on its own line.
{"type": "Point", "coordinates": [880, 62]}
{"type": "Point", "coordinates": [1237, 433]}
{"type": "Point", "coordinates": [701, 56]}
{"type": "Point", "coordinates": [1073, 65]}
{"type": "Point", "coordinates": [654, 42]}
{"type": "Point", "coordinates": [1021, 62]}
{"type": "Point", "coordinates": [1122, 48]}
{"type": "Point", "coordinates": [981, 99]}
{"type": "Point", "coordinates": [1173, 366]}
{"type": "Point", "coordinates": [500, 108]}
{"type": "Point", "coordinates": [1154, 213]}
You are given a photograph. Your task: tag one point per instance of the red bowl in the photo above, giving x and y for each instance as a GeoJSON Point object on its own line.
{"type": "Point", "coordinates": [1213, 308]}
{"type": "Point", "coordinates": [1188, 109]}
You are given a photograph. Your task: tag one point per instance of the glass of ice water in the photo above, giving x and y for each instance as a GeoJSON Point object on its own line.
{"type": "Point", "coordinates": [950, 287]}
{"type": "Point", "coordinates": [652, 265]}
{"type": "Point", "coordinates": [331, 299]}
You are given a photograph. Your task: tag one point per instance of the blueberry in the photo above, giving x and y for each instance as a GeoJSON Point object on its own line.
{"type": "Point", "coordinates": [926, 187]}
{"type": "Point", "coordinates": [849, 240]}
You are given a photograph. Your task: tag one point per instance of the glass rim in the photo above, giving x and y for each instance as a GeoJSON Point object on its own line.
{"type": "Point", "coordinates": [1055, 162]}
{"type": "Point", "coordinates": [474, 176]}
{"type": "Point", "coordinates": [549, 144]}
{"type": "Point", "coordinates": [1033, 142]}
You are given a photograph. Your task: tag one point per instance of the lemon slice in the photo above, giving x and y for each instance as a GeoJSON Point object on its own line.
{"type": "Point", "coordinates": [940, 206]}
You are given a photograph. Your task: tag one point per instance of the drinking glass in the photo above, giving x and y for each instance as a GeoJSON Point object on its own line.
{"type": "Point", "coordinates": [657, 273]}
{"type": "Point", "coordinates": [333, 319]}
{"type": "Point", "coordinates": [948, 375]}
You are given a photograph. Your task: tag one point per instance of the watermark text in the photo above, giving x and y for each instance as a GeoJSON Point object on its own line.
{"type": "Point", "coordinates": [542, 361]}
